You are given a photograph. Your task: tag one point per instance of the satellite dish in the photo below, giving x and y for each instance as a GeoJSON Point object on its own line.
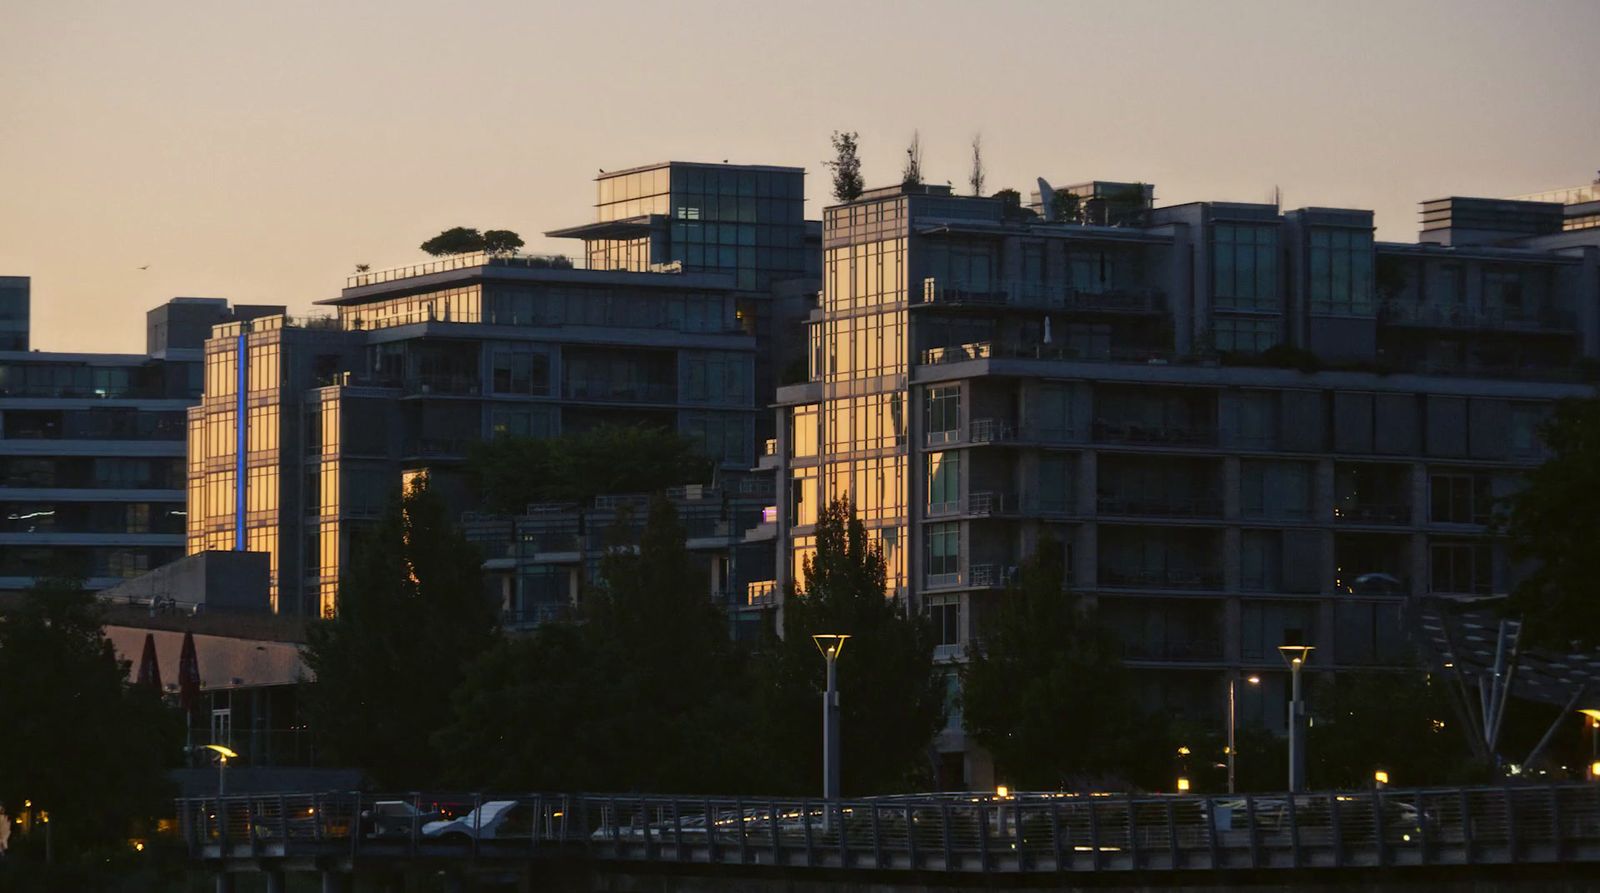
{"type": "Point", "coordinates": [1047, 200]}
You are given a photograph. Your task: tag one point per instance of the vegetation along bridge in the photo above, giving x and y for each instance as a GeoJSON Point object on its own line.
{"type": "Point", "coordinates": [921, 840]}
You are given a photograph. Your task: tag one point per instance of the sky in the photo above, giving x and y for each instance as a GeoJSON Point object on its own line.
{"type": "Point", "coordinates": [259, 151]}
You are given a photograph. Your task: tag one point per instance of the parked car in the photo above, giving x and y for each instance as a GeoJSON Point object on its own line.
{"type": "Point", "coordinates": [496, 819]}
{"type": "Point", "coordinates": [393, 818]}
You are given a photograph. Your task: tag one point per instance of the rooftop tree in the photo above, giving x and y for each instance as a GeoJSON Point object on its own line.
{"type": "Point", "coordinates": [846, 167]}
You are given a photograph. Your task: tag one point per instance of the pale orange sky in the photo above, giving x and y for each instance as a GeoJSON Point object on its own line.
{"type": "Point", "coordinates": [258, 151]}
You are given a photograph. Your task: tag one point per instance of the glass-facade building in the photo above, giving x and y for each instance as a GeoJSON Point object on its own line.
{"type": "Point", "coordinates": [308, 428]}
{"type": "Point", "coordinates": [1245, 425]}
{"type": "Point", "coordinates": [15, 305]}
{"type": "Point", "coordinates": [92, 469]}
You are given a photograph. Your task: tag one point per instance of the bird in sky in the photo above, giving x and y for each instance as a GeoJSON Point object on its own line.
{"type": "Point", "coordinates": [145, 267]}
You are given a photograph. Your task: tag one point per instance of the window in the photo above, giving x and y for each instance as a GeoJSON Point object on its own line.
{"type": "Point", "coordinates": [944, 413]}
{"type": "Point", "coordinates": [1461, 567]}
{"type": "Point", "coordinates": [1460, 498]}
{"type": "Point", "coordinates": [1255, 420]}
{"type": "Point", "coordinates": [1341, 272]}
{"type": "Point", "coordinates": [517, 372]}
{"type": "Point", "coordinates": [1525, 440]}
{"type": "Point", "coordinates": [945, 614]}
{"type": "Point", "coordinates": [1244, 267]}
{"type": "Point", "coordinates": [1235, 335]}
{"type": "Point", "coordinates": [1260, 560]}
{"type": "Point", "coordinates": [944, 483]}
{"type": "Point", "coordinates": [803, 432]}
{"type": "Point", "coordinates": [944, 549]}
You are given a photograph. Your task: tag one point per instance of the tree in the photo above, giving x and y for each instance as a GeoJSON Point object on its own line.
{"type": "Point", "coordinates": [975, 179]}
{"type": "Point", "coordinates": [1397, 721]}
{"type": "Point", "coordinates": [79, 740]}
{"type": "Point", "coordinates": [846, 167]}
{"type": "Point", "coordinates": [912, 173]}
{"type": "Point", "coordinates": [514, 471]}
{"type": "Point", "coordinates": [501, 241]}
{"type": "Point", "coordinates": [891, 694]}
{"type": "Point", "coordinates": [456, 240]}
{"type": "Point", "coordinates": [646, 694]}
{"type": "Point", "coordinates": [1045, 691]}
{"type": "Point", "coordinates": [1552, 525]}
{"type": "Point", "coordinates": [412, 614]}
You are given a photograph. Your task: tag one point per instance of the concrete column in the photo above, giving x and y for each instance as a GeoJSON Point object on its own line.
{"type": "Point", "coordinates": [1232, 636]}
{"type": "Point", "coordinates": [1419, 494]}
{"type": "Point", "coordinates": [275, 882]}
{"type": "Point", "coordinates": [1230, 487]}
{"type": "Point", "coordinates": [1232, 563]}
{"type": "Point", "coordinates": [1322, 492]}
{"type": "Point", "coordinates": [1085, 488]}
{"type": "Point", "coordinates": [225, 882]}
{"type": "Point", "coordinates": [1085, 557]}
{"type": "Point", "coordinates": [335, 882]}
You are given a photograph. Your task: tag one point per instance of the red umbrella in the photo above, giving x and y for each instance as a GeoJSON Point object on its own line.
{"type": "Point", "coordinates": [149, 667]}
{"type": "Point", "coordinates": [188, 675]}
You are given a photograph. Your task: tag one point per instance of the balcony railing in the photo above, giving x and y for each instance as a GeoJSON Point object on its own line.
{"type": "Point", "coordinates": [981, 504]}
{"type": "Point", "coordinates": [460, 262]}
{"type": "Point", "coordinates": [622, 392]}
{"type": "Point", "coordinates": [769, 447]}
{"type": "Point", "coordinates": [1389, 513]}
{"type": "Point", "coordinates": [1452, 316]}
{"type": "Point", "coordinates": [1044, 296]}
{"type": "Point", "coordinates": [1171, 507]}
{"type": "Point", "coordinates": [455, 385]}
{"type": "Point", "coordinates": [531, 616]}
{"type": "Point", "coordinates": [1161, 578]}
{"type": "Point", "coordinates": [1185, 649]}
{"type": "Point", "coordinates": [1118, 431]}
{"type": "Point", "coordinates": [1055, 351]}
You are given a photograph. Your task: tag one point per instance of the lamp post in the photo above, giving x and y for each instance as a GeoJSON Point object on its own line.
{"type": "Point", "coordinates": [224, 754]}
{"type": "Point", "coordinates": [1296, 656]}
{"type": "Point", "coordinates": [1233, 721]}
{"type": "Point", "coordinates": [830, 645]}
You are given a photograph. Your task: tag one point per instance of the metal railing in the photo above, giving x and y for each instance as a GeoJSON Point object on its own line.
{"type": "Point", "coordinates": [761, 593]}
{"type": "Point", "coordinates": [1158, 578]}
{"type": "Point", "coordinates": [1460, 316]}
{"type": "Point", "coordinates": [1162, 506]}
{"type": "Point", "coordinates": [972, 833]}
{"type": "Point", "coordinates": [1388, 513]}
{"type": "Point", "coordinates": [1043, 296]}
{"type": "Point", "coordinates": [460, 262]}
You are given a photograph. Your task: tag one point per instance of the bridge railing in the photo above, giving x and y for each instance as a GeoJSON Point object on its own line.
{"type": "Point", "coordinates": [957, 832]}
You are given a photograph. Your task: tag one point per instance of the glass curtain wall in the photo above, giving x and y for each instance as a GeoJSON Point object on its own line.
{"type": "Point", "coordinates": [864, 375]}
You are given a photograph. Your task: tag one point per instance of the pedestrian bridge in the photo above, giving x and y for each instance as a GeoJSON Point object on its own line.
{"type": "Point", "coordinates": [981, 836]}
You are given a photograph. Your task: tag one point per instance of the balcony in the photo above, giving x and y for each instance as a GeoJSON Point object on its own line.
{"type": "Point", "coordinates": [436, 447]}
{"type": "Point", "coordinates": [601, 390]}
{"type": "Point", "coordinates": [1170, 434]}
{"type": "Point", "coordinates": [983, 350]}
{"type": "Point", "coordinates": [1043, 296]}
{"type": "Point", "coordinates": [981, 504]}
{"type": "Point", "coordinates": [533, 616]}
{"type": "Point", "coordinates": [1452, 316]}
{"type": "Point", "coordinates": [1202, 649]}
{"type": "Point", "coordinates": [460, 262]}
{"type": "Point", "coordinates": [1195, 578]}
{"type": "Point", "coordinates": [1165, 507]}
{"type": "Point", "coordinates": [1385, 513]}
{"type": "Point", "coordinates": [448, 385]}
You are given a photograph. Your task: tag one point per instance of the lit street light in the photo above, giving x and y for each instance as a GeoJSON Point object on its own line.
{"type": "Point", "coordinates": [224, 754]}
{"type": "Point", "coordinates": [1296, 656]}
{"type": "Point", "coordinates": [830, 645]}
{"type": "Point", "coordinates": [1233, 722]}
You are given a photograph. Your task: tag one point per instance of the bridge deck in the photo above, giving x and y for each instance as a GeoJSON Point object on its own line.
{"type": "Point", "coordinates": [952, 833]}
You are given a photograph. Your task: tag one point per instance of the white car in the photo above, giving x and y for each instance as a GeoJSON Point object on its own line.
{"type": "Point", "coordinates": [488, 822]}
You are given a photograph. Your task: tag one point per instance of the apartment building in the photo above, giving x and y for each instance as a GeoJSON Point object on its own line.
{"type": "Point", "coordinates": [92, 448]}
{"type": "Point", "coordinates": [1247, 426]}
{"type": "Point", "coordinates": [308, 427]}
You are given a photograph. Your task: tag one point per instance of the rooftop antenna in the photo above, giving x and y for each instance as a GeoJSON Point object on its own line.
{"type": "Point", "coordinates": [1277, 198]}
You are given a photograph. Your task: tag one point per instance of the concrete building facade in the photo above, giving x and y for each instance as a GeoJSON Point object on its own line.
{"type": "Point", "coordinates": [1247, 426]}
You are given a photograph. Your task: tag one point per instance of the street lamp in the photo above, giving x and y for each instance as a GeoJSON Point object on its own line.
{"type": "Point", "coordinates": [1233, 722]}
{"type": "Point", "coordinates": [830, 645]}
{"type": "Point", "coordinates": [224, 754]}
{"type": "Point", "coordinates": [1296, 656]}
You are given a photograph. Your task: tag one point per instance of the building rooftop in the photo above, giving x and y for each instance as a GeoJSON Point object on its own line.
{"type": "Point", "coordinates": [771, 168]}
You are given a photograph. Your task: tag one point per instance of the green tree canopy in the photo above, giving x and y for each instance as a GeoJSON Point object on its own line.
{"type": "Point", "coordinates": [501, 241]}
{"type": "Point", "coordinates": [75, 737]}
{"type": "Point", "coordinates": [646, 694]}
{"type": "Point", "coordinates": [412, 614]}
{"type": "Point", "coordinates": [1554, 525]}
{"type": "Point", "coordinates": [512, 472]}
{"type": "Point", "coordinates": [891, 694]}
{"type": "Point", "coordinates": [846, 167]}
{"type": "Point", "coordinates": [455, 240]}
{"type": "Point", "coordinates": [1397, 721]}
{"type": "Point", "coordinates": [1045, 691]}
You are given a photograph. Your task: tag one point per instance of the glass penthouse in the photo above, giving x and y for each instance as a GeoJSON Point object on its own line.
{"type": "Point", "coordinates": [1246, 426]}
{"type": "Point", "coordinates": [307, 427]}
